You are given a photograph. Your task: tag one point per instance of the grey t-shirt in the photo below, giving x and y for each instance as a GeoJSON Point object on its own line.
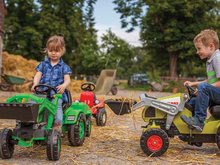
{"type": "Point", "coordinates": [213, 67]}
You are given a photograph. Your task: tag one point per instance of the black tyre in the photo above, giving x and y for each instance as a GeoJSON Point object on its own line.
{"type": "Point", "coordinates": [217, 138]}
{"type": "Point", "coordinates": [114, 90]}
{"type": "Point", "coordinates": [6, 145]}
{"type": "Point", "coordinates": [88, 126]}
{"type": "Point", "coordinates": [77, 132]}
{"type": "Point", "coordinates": [53, 145]}
{"type": "Point", "coordinates": [101, 117]}
{"type": "Point", "coordinates": [154, 142]}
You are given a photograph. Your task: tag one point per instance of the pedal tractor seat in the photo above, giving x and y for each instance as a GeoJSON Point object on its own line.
{"type": "Point", "coordinates": [88, 98]}
{"type": "Point", "coordinates": [68, 102]}
{"type": "Point", "coordinates": [215, 111]}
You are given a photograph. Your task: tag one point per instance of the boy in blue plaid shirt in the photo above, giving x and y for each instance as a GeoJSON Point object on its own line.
{"type": "Point", "coordinates": [54, 72]}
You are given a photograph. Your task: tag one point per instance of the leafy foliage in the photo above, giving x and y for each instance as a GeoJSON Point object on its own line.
{"type": "Point", "coordinates": [168, 27]}
{"type": "Point", "coordinates": [117, 53]}
{"type": "Point", "coordinates": [30, 23]}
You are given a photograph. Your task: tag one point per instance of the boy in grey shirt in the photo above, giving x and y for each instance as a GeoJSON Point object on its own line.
{"type": "Point", "coordinates": [207, 46]}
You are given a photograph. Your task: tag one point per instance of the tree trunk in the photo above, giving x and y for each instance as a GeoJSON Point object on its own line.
{"type": "Point", "coordinates": [173, 63]}
{"type": "Point", "coordinates": [2, 15]}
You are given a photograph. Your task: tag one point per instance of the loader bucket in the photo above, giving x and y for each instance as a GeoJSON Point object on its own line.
{"type": "Point", "coordinates": [19, 111]}
{"type": "Point", "coordinates": [119, 106]}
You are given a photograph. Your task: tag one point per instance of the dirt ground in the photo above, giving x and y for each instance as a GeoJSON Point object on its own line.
{"type": "Point", "coordinates": [117, 143]}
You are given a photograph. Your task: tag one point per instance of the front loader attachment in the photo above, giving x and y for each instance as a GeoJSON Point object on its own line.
{"type": "Point", "coordinates": [120, 106]}
{"type": "Point", "coordinates": [19, 111]}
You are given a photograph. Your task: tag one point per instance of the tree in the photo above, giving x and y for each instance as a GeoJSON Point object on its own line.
{"type": "Point", "coordinates": [3, 12]}
{"type": "Point", "coordinates": [21, 34]}
{"type": "Point", "coordinates": [168, 27]}
{"type": "Point", "coordinates": [117, 53]}
{"type": "Point", "coordinates": [31, 22]}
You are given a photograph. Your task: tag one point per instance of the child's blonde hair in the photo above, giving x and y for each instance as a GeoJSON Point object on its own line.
{"type": "Point", "coordinates": [56, 43]}
{"type": "Point", "coordinates": [207, 36]}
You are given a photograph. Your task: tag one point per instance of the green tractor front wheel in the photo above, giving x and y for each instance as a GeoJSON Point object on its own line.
{"type": "Point", "coordinates": [88, 126]}
{"type": "Point", "coordinates": [154, 142]}
{"type": "Point", "coordinates": [77, 132]}
{"type": "Point", "coordinates": [6, 145]}
{"type": "Point", "coordinates": [53, 145]}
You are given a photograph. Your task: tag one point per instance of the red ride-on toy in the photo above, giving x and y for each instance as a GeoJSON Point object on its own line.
{"type": "Point", "coordinates": [97, 106]}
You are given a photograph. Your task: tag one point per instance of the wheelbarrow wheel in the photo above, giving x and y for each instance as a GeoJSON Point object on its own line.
{"type": "Point", "coordinates": [114, 90]}
{"type": "Point", "coordinates": [101, 117]}
{"type": "Point", "coordinates": [4, 87]}
{"type": "Point", "coordinates": [77, 132]}
{"type": "Point", "coordinates": [6, 145]}
{"type": "Point", "coordinates": [53, 145]}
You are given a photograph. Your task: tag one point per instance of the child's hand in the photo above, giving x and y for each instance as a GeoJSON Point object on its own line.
{"type": "Point", "coordinates": [61, 88]}
{"type": "Point", "coordinates": [32, 88]}
{"type": "Point", "coordinates": [187, 83]}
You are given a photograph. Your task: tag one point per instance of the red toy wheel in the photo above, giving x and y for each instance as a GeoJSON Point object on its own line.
{"type": "Point", "coordinates": [154, 142]}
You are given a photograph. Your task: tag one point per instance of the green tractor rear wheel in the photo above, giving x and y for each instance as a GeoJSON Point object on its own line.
{"type": "Point", "coordinates": [53, 145]}
{"type": "Point", "coordinates": [154, 142]}
{"type": "Point", "coordinates": [6, 145]}
{"type": "Point", "coordinates": [76, 133]}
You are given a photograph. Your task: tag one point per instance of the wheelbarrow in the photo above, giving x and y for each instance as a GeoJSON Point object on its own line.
{"type": "Point", "coordinates": [10, 80]}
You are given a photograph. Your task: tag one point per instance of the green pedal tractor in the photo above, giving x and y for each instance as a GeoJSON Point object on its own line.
{"type": "Point", "coordinates": [163, 120]}
{"type": "Point", "coordinates": [34, 115]}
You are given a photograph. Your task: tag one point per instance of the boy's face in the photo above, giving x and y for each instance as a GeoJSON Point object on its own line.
{"type": "Point", "coordinates": [204, 51]}
{"type": "Point", "coordinates": [54, 55]}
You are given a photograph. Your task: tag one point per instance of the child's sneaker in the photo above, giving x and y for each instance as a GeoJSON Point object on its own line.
{"type": "Point", "coordinates": [193, 122]}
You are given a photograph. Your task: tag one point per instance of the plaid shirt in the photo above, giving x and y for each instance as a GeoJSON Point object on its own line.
{"type": "Point", "coordinates": [53, 75]}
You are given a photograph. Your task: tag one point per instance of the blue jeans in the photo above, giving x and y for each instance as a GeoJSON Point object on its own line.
{"type": "Point", "coordinates": [207, 95]}
{"type": "Point", "coordinates": [59, 115]}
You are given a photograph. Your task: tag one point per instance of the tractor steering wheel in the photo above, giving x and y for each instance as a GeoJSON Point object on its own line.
{"type": "Point", "coordinates": [88, 86]}
{"type": "Point", "coordinates": [191, 91]}
{"type": "Point", "coordinates": [44, 91]}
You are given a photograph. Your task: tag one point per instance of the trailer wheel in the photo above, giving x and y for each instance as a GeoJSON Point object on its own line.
{"type": "Point", "coordinates": [6, 145]}
{"type": "Point", "coordinates": [154, 142]}
{"type": "Point", "coordinates": [101, 117]}
{"type": "Point", "coordinates": [53, 145]}
{"type": "Point", "coordinates": [76, 133]}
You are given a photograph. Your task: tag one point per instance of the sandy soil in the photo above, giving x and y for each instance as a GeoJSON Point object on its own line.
{"type": "Point", "coordinates": [117, 143]}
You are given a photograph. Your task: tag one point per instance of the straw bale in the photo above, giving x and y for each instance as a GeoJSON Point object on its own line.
{"type": "Point", "coordinates": [19, 66]}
